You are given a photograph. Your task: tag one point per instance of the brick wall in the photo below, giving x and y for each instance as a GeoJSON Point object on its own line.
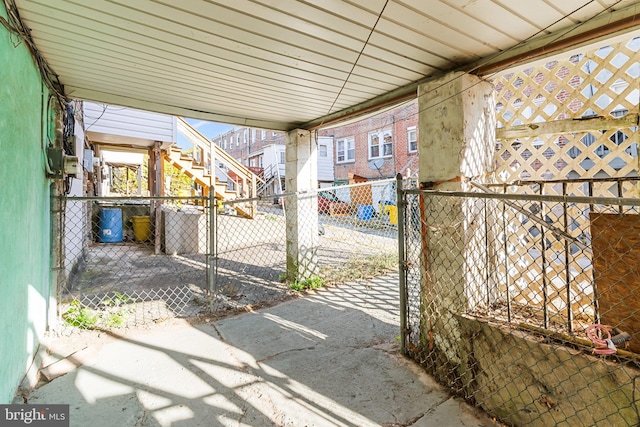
{"type": "Point", "coordinates": [243, 151]}
{"type": "Point", "coordinates": [398, 120]}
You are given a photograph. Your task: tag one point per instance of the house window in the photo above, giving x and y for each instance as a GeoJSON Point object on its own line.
{"type": "Point", "coordinates": [237, 140]}
{"type": "Point", "coordinates": [246, 136]}
{"type": "Point", "coordinates": [263, 134]}
{"type": "Point", "coordinates": [412, 139]}
{"type": "Point", "coordinates": [281, 157]}
{"type": "Point", "coordinates": [345, 150]}
{"type": "Point", "coordinates": [322, 150]}
{"type": "Point", "coordinates": [260, 164]}
{"type": "Point", "coordinates": [380, 144]}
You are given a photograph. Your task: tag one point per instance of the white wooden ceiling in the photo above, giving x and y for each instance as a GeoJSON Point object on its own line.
{"type": "Point", "coordinates": [281, 64]}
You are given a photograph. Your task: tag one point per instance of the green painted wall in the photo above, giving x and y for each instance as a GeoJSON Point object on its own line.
{"type": "Point", "coordinates": [24, 213]}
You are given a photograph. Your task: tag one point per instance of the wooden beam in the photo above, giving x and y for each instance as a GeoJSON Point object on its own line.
{"type": "Point", "coordinates": [599, 123]}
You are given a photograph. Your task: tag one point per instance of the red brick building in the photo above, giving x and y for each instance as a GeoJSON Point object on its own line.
{"type": "Point", "coordinates": [376, 147]}
{"type": "Point", "coordinates": [246, 144]}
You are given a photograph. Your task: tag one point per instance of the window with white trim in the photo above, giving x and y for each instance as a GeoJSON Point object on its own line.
{"type": "Point", "coordinates": [322, 150]}
{"type": "Point", "coordinates": [263, 135]}
{"type": "Point", "coordinates": [380, 144]}
{"type": "Point", "coordinates": [281, 157]}
{"type": "Point", "coordinates": [345, 150]}
{"type": "Point", "coordinates": [238, 140]}
{"type": "Point", "coordinates": [412, 139]}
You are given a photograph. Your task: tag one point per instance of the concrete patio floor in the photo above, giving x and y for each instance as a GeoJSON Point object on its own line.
{"type": "Point", "coordinates": [329, 358]}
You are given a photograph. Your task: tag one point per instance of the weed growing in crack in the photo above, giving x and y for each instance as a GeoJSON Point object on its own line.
{"type": "Point", "coordinates": [114, 314]}
{"type": "Point", "coordinates": [80, 316]}
{"type": "Point", "coordinates": [313, 282]}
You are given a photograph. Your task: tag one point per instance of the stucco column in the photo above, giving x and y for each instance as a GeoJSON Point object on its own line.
{"type": "Point", "coordinates": [301, 174]}
{"type": "Point", "coordinates": [456, 143]}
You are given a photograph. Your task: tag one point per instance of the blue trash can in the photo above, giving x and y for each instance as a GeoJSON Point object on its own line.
{"type": "Point", "coordinates": [365, 212]}
{"type": "Point", "coordinates": [110, 225]}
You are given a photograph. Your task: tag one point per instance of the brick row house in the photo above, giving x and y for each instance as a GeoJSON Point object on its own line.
{"type": "Point", "coordinates": [264, 152]}
{"type": "Point", "coordinates": [377, 147]}
{"type": "Point", "coordinates": [373, 148]}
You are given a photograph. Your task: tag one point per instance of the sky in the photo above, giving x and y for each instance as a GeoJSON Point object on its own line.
{"type": "Point", "coordinates": [208, 129]}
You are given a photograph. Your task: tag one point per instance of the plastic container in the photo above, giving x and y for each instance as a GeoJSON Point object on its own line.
{"type": "Point", "coordinates": [110, 225]}
{"type": "Point", "coordinates": [365, 212]}
{"type": "Point", "coordinates": [393, 213]}
{"type": "Point", "coordinates": [185, 232]}
{"type": "Point", "coordinates": [141, 228]}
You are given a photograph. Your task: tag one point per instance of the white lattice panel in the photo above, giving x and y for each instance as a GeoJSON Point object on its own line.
{"type": "Point", "coordinates": [602, 82]}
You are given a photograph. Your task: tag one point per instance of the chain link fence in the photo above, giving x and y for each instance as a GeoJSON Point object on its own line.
{"type": "Point", "coordinates": [343, 233]}
{"type": "Point", "coordinates": [132, 261]}
{"type": "Point", "coordinates": [528, 306]}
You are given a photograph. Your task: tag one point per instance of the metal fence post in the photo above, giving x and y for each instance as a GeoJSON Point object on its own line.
{"type": "Point", "coordinates": [56, 258]}
{"type": "Point", "coordinates": [543, 260]}
{"type": "Point", "coordinates": [506, 256]}
{"type": "Point", "coordinates": [402, 265]}
{"type": "Point", "coordinates": [567, 254]}
{"type": "Point", "coordinates": [213, 211]}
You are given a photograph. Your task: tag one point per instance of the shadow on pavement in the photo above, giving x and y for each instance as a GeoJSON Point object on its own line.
{"type": "Point", "coordinates": [328, 359]}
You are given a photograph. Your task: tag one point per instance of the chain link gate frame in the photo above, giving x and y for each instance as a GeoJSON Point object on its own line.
{"type": "Point", "coordinates": [127, 261]}
{"type": "Point", "coordinates": [527, 345]}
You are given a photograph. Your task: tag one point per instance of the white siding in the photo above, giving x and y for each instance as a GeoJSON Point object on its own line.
{"type": "Point", "coordinates": [382, 193]}
{"type": "Point", "coordinates": [128, 122]}
{"type": "Point", "coordinates": [272, 157]}
{"type": "Point", "coordinates": [75, 216]}
{"type": "Point", "coordinates": [325, 164]}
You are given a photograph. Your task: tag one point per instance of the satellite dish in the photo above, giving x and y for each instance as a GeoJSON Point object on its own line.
{"type": "Point", "coordinates": [376, 164]}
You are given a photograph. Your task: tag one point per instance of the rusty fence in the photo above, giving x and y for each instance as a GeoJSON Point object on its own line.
{"type": "Point", "coordinates": [526, 305]}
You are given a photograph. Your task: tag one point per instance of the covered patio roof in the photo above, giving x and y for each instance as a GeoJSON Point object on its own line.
{"type": "Point", "coordinates": [295, 64]}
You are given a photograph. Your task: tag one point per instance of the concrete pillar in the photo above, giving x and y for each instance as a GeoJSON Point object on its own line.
{"type": "Point", "coordinates": [301, 171]}
{"type": "Point", "coordinates": [456, 143]}
{"type": "Point", "coordinates": [456, 127]}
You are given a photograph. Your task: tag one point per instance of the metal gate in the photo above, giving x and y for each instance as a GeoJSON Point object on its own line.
{"type": "Point", "coordinates": [128, 261]}
{"type": "Point", "coordinates": [526, 305]}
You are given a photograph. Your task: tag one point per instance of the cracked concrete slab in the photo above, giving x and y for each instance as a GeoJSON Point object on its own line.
{"type": "Point", "coordinates": [330, 358]}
